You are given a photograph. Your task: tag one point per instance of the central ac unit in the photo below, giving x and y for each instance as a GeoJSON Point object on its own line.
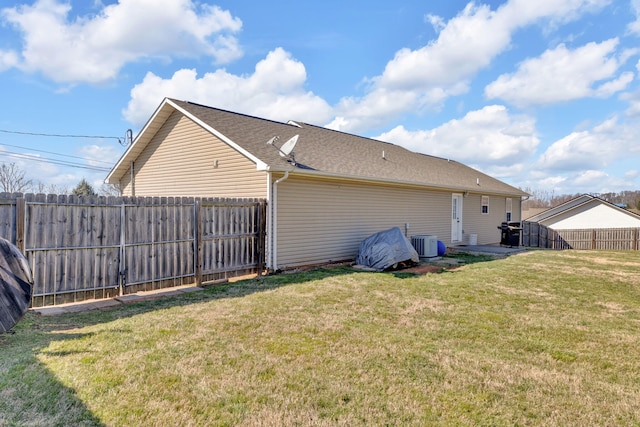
{"type": "Point", "coordinates": [425, 245]}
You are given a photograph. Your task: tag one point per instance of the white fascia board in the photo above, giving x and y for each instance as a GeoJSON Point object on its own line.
{"type": "Point", "coordinates": [136, 142]}
{"type": "Point", "coordinates": [260, 165]}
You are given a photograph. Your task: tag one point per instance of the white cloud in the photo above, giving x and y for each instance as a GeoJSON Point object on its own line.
{"type": "Point", "coordinates": [614, 86]}
{"type": "Point", "coordinates": [634, 27]}
{"type": "Point", "coordinates": [562, 74]}
{"type": "Point", "coordinates": [591, 149]}
{"type": "Point", "coordinates": [556, 12]}
{"type": "Point", "coordinates": [425, 77]}
{"type": "Point", "coordinates": [8, 59]}
{"type": "Point", "coordinates": [436, 21]}
{"type": "Point", "coordinates": [94, 49]}
{"type": "Point", "coordinates": [275, 90]}
{"type": "Point", "coordinates": [632, 174]}
{"type": "Point", "coordinates": [467, 43]}
{"type": "Point", "coordinates": [552, 182]}
{"type": "Point", "coordinates": [590, 178]}
{"type": "Point", "coordinates": [597, 181]}
{"type": "Point", "coordinates": [101, 155]}
{"type": "Point", "coordinates": [490, 136]}
{"type": "Point", "coordinates": [586, 181]}
{"type": "Point", "coordinates": [634, 100]}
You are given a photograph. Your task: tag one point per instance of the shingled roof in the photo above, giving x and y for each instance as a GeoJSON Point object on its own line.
{"type": "Point", "coordinates": [321, 151]}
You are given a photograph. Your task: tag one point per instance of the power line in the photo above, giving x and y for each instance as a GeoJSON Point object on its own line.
{"type": "Point", "coordinates": [59, 135]}
{"type": "Point", "coordinates": [51, 152]}
{"type": "Point", "coordinates": [127, 138]}
{"type": "Point", "coordinates": [124, 142]}
{"type": "Point", "coordinates": [52, 161]}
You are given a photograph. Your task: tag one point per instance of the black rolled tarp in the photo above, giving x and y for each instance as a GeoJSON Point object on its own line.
{"type": "Point", "coordinates": [16, 285]}
{"type": "Point", "coordinates": [386, 249]}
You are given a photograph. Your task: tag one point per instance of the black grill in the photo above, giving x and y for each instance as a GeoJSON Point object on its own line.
{"type": "Point", "coordinates": [510, 233]}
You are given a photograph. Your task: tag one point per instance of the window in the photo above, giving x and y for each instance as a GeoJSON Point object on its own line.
{"type": "Point", "coordinates": [509, 208]}
{"type": "Point", "coordinates": [485, 205]}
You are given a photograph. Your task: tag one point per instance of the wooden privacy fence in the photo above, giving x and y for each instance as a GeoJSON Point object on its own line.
{"type": "Point", "coordinates": [82, 248]}
{"type": "Point", "coordinates": [619, 239]}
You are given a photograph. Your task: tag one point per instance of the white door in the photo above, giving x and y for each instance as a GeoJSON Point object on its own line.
{"type": "Point", "coordinates": [456, 217]}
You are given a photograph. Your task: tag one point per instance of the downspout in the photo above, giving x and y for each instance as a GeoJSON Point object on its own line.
{"type": "Point", "coordinates": [274, 220]}
{"type": "Point", "coordinates": [523, 199]}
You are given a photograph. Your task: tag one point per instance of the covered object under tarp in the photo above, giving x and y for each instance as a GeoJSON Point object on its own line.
{"type": "Point", "coordinates": [15, 285]}
{"type": "Point", "coordinates": [386, 249]}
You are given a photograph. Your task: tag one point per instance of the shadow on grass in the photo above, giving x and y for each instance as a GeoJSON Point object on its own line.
{"type": "Point", "coordinates": [33, 395]}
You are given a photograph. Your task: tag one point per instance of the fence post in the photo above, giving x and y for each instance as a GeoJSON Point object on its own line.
{"type": "Point", "coordinates": [20, 219]}
{"type": "Point", "coordinates": [593, 239]}
{"type": "Point", "coordinates": [262, 231]}
{"type": "Point", "coordinates": [197, 241]}
{"type": "Point", "coordinates": [123, 254]}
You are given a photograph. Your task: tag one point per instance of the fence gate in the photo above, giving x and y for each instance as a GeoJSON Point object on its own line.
{"type": "Point", "coordinates": [231, 238]}
{"type": "Point", "coordinates": [157, 248]}
{"type": "Point", "coordinates": [82, 248]}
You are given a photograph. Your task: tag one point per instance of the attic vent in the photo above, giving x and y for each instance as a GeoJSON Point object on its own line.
{"type": "Point", "coordinates": [292, 123]}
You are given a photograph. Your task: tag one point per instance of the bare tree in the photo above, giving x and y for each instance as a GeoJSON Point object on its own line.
{"type": "Point", "coordinates": [41, 187]}
{"type": "Point", "coordinates": [110, 190]}
{"type": "Point", "coordinates": [13, 179]}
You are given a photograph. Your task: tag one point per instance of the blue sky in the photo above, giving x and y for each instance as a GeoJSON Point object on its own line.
{"type": "Point", "coordinates": [544, 94]}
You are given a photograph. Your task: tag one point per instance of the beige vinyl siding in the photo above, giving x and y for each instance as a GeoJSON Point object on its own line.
{"type": "Point", "coordinates": [180, 161]}
{"type": "Point", "coordinates": [486, 225]}
{"type": "Point", "coordinates": [322, 221]}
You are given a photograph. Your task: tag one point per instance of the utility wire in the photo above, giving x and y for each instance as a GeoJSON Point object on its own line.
{"type": "Point", "coordinates": [127, 140]}
{"type": "Point", "coordinates": [55, 154]}
{"type": "Point", "coordinates": [52, 161]}
{"type": "Point", "coordinates": [59, 135]}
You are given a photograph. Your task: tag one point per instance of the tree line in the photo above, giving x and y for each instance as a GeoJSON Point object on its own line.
{"type": "Point", "coordinates": [629, 199]}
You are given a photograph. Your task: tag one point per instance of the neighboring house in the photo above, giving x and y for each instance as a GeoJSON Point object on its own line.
{"type": "Point", "coordinates": [586, 212]}
{"type": "Point", "coordinates": [529, 212]}
{"type": "Point", "coordinates": [332, 192]}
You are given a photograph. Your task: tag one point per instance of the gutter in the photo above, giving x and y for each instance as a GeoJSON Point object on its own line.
{"type": "Point", "coordinates": [439, 187]}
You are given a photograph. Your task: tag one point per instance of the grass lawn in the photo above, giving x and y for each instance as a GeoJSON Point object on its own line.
{"type": "Point", "coordinates": [540, 338]}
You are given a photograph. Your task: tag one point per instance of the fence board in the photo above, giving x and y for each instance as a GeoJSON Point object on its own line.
{"type": "Point", "coordinates": [618, 239]}
{"type": "Point", "coordinates": [98, 247]}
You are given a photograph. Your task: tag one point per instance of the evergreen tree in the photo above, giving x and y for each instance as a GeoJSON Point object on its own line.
{"type": "Point", "coordinates": [83, 189]}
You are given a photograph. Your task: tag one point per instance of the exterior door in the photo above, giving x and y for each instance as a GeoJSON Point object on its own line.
{"type": "Point", "coordinates": [456, 217]}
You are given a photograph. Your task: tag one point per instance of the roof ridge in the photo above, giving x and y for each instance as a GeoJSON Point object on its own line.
{"type": "Point", "coordinates": [380, 141]}
{"type": "Point", "coordinates": [349, 134]}
{"type": "Point", "coordinates": [233, 112]}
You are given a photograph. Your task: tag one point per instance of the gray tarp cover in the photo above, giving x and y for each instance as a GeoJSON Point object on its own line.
{"type": "Point", "coordinates": [385, 249]}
